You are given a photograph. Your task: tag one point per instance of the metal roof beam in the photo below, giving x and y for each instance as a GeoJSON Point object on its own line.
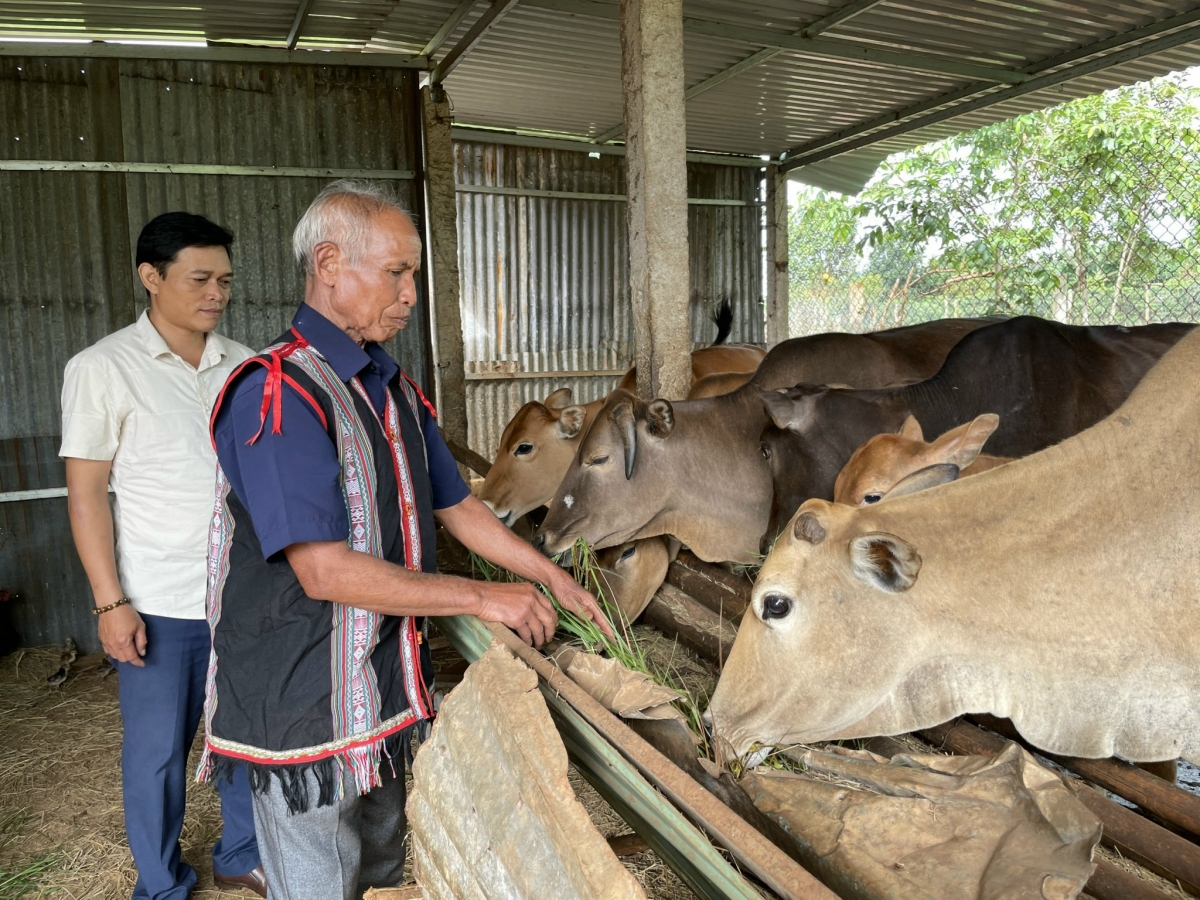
{"type": "Point", "coordinates": [819, 47]}
{"type": "Point", "coordinates": [485, 23]}
{"type": "Point", "coordinates": [837, 17]}
{"type": "Point", "coordinates": [302, 12]}
{"type": "Point", "coordinates": [853, 51]}
{"type": "Point", "coordinates": [213, 53]}
{"type": "Point", "coordinates": [875, 131]}
{"type": "Point", "coordinates": [580, 145]}
{"type": "Point", "coordinates": [455, 19]}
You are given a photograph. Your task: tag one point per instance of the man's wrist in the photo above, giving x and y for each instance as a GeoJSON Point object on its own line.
{"type": "Point", "coordinates": [107, 597]}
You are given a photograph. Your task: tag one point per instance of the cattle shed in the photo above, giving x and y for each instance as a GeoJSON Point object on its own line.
{"type": "Point", "coordinates": [579, 217]}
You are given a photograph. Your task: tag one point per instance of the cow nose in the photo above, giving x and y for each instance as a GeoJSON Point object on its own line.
{"type": "Point", "coordinates": [539, 541]}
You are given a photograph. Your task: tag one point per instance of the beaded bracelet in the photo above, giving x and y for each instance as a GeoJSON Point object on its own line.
{"type": "Point", "coordinates": [111, 606]}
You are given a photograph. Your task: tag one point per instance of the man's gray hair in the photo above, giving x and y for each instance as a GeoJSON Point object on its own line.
{"type": "Point", "coordinates": [342, 214]}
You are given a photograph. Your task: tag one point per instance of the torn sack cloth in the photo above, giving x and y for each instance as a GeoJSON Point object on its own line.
{"type": "Point", "coordinates": [297, 685]}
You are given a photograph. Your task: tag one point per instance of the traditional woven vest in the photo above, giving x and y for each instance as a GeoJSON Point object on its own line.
{"type": "Point", "coordinates": [296, 684]}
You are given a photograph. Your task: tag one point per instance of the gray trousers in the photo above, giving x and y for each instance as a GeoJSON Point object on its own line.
{"type": "Point", "coordinates": [333, 852]}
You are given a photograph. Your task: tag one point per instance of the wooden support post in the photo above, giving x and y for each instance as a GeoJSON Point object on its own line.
{"type": "Point", "coordinates": [656, 175]}
{"type": "Point", "coordinates": [441, 232]}
{"type": "Point", "coordinates": [723, 593]}
{"type": "Point", "coordinates": [677, 615]}
{"type": "Point", "coordinates": [777, 257]}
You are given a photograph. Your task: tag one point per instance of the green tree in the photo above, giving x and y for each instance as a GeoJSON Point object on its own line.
{"type": "Point", "coordinates": [1085, 212]}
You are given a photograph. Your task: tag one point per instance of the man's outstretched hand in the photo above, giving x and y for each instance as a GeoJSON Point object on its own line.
{"type": "Point", "coordinates": [573, 598]}
{"type": "Point", "coordinates": [520, 606]}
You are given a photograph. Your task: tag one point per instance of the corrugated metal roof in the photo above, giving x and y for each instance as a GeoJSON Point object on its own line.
{"type": "Point", "coordinates": [553, 66]}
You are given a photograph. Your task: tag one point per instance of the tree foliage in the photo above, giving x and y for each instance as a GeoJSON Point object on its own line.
{"type": "Point", "coordinates": [1086, 212]}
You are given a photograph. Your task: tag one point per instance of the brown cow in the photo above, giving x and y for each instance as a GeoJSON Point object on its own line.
{"type": "Point", "coordinates": [1061, 591]}
{"type": "Point", "coordinates": [883, 463]}
{"type": "Point", "coordinates": [540, 440]}
{"type": "Point", "coordinates": [694, 469]}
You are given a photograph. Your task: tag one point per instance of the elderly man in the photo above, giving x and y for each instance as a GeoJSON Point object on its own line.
{"type": "Point", "coordinates": [135, 418]}
{"type": "Point", "coordinates": [322, 560]}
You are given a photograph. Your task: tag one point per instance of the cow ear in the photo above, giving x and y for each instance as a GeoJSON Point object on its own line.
{"type": "Point", "coordinates": [786, 413]}
{"type": "Point", "coordinates": [571, 421]}
{"type": "Point", "coordinates": [930, 476]}
{"type": "Point", "coordinates": [885, 561]}
{"type": "Point", "coordinates": [622, 416]}
{"type": "Point", "coordinates": [961, 445]}
{"type": "Point", "coordinates": [911, 429]}
{"type": "Point", "coordinates": [558, 399]}
{"type": "Point", "coordinates": [808, 527]}
{"type": "Point", "coordinates": [660, 418]}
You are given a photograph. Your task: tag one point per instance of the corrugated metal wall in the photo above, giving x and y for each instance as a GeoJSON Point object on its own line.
{"type": "Point", "coordinates": [66, 243]}
{"type": "Point", "coordinates": [545, 278]}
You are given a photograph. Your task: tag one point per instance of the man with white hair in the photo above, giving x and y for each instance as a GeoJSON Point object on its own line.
{"type": "Point", "coordinates": [322, 560]}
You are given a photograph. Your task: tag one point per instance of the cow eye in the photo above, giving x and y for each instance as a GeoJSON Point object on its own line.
{"type": "Point", "coordinates": [868, 499]}
{"type": "Point", "coordinates": [523, 449]}
{"type": "Point", "coordinates": [598, 461]}
{"type": "Point", "coordinates": [766, 451]}
{"type": "Point", "coordinates": [776, 606]}
{"type": "Point", "coordinates": [629, 551]}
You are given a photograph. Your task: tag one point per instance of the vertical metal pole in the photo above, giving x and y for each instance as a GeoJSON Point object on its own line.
{"type": "Point", "coordinates": [442, 260]}
{"type": "Point", "coordinates": [652, 79]}
{"type": "Point", "coordinates": [777, 257]}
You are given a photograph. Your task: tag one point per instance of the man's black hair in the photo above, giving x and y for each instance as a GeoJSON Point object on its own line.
{"type": "Point", "coordinates": [164, 236]}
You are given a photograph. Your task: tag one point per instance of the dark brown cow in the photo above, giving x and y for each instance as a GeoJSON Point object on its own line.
{"type": "Point", "coordinates": [1047, 381]}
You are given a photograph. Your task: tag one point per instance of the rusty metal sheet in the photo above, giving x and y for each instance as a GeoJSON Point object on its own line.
{"type": "Point", "coordinates": [491, 810]}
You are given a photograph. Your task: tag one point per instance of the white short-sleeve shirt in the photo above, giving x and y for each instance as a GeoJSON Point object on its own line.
{"type": "Point", "coordinates": [129, 399]}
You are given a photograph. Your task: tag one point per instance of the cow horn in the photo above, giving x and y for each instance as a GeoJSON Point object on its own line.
{"type": "Point", "coordinates": [622, 416]}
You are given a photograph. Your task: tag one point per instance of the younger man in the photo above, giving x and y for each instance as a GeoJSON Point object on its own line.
{"type": "Point", "coordinates": [135, 418]}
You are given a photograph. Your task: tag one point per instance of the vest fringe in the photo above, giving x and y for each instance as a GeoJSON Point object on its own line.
{"type": "Point", "coordinates": [363, 763]}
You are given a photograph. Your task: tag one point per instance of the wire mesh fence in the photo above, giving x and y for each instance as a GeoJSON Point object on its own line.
{"type": "Point", "coordinates": [1086, 213]}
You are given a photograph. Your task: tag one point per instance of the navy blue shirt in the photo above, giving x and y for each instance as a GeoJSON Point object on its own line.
{"type": "Point", "coordinates": [291, 482]}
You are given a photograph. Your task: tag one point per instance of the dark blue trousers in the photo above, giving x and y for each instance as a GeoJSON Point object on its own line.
{"type": "Point", "coordinates": [161, 706]}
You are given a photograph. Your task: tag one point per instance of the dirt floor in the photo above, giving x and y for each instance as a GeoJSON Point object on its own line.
{"type": "Point", "coordinates": [60, 794]}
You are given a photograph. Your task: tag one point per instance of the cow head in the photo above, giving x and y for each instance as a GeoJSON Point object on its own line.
{"type": "Point", "coordinates": [823, 644]}
{"type": "Point", "coordinates": [812, 432]}
{"type": "Point", "coordinates": [633, 572]}
{"type": "Point", "coordinates": [889, 465]}
{"type": "Point", "coordinates": [611, 489]}
{"type": "Point", "coordinates": [535, 450]}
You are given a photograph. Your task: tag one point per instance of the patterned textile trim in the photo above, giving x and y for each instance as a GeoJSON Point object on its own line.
{"type": "Point", "coordinates": [414, 685]}
{"type": "Point", "coordinates": [220, 540]}
{"type": "Point", "coordinates": [355, 695]}
{"type": "Point", "coordinates": [213, 744]}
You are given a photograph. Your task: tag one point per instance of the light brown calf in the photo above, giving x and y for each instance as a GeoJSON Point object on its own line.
{"type": "Point", "coordinates": [884, 464]}
{"type": "Point", "coordinates": [633, 573]}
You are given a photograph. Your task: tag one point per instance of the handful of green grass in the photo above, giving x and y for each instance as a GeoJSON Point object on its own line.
{"type": "Point", "coordinates": [623, 646]}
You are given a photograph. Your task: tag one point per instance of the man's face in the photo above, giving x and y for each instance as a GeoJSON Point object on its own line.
{"type": "Point", "coordinates": [376, 297]}
{"type": "Point", "coordinates": [194, 292]}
